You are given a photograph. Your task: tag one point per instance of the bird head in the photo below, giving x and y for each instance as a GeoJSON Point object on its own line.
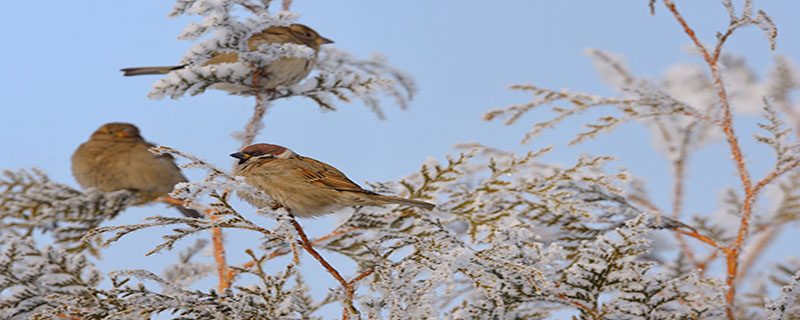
{"type": "Point", "coordinates": [295, 33]}
{"type": "Point", "coordinates": [262, 151]}
{"type": "Point", "coordinates": [116, 131]}
{"type": "Point", "coordinates": [308, 36]}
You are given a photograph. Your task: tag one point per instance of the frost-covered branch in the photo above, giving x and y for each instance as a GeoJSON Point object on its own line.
{"type": "Point", "coordinates": [511, 237]}
{"type": "Point", "coordinates": [30, 276]}
{"type": "Point", "coordinates": [346, 77]}
{"type": "Point", "coordinates": [750, 191]}
{"type": "Point", "coordinates": [785, 306]}
{"type": "Point", "coordinates": [31, 203]}
{"type": "Point", "coordinates": [274, 298]}
{"type": "Point", "coordinates": [649, 103]}
{"type": "Point", "coordinates": [340, 75]}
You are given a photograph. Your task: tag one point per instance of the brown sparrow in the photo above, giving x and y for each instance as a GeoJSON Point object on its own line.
{"type": "Point", "coordinates": [285, 71]}
{"type": "Point", "coordinates": [116, 158]}
{"type": "Point", "coordinates": [304, 186]}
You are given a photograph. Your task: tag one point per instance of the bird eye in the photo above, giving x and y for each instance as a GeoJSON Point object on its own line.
{"type": "Point", "coordinates": [308, 34]}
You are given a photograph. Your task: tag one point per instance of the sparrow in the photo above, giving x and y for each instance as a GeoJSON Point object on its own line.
{"type": "Point", "coordinates": [304, 186]}
{"type": "Point", "coordinates": [285, 71]}
{"type": "Point", "coordinates": [116, 157]}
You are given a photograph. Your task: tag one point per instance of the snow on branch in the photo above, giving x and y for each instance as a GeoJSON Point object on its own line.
{"type": "Point", "coordinates": [761, 20]}
{"type": "Point", "coordinates": [345, 77]}
{"type": "Point", "coordinates": [274, 298]}
{"type": "Point", "coordinates": [653, 104]}
{"type": "Point", "coordinates": [30, 277]}
{"type": "Point", "coordinates": [185, 271]}
{"type": "Point", "coordinates": [30, 202]}
{"type": "Point", "coordinates": [340, 75]}
{"type": "Point", "coordinates": [682, 104]}
{"type": "Point", "coordinates": [511, 237]}
{"type": "Point", "coordinates": [217, 185]}
{"type": "Point", "coordinates": [787, 154]}
{"type": "Point", "coordinates": [505, 233]}
{"type": "Point", "coordinates": [785, 306]}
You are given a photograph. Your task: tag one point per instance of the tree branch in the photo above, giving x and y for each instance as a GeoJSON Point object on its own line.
{"type": "Point", "coordinates": [730, 136]}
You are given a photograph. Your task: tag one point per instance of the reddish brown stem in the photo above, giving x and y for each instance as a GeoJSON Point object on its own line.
{"type": "Point", "coordinates": [361, 276]}
{"type": "Point", "coordinates": [730, 137]}
{"type": "Point", "coordinates": [347, 286]}
{"type": "Point", "coordinates": [702, 238]}
{"type": "Point", "coordinates": [703, 266]}
{"type": "Point", "coordinates": [681, 242]}
{"type": "Point", "coordinates": [310, 249]}
{"type": "Point", "coordinates": [277, 253]}
{"type": "Point", "coordinates": [255, 77]}
{"type": "Point", "coordinates": [750, 191]}
{"type": "Point", "coordinates": [219, 257]}
{"type": "Point", "coordinates": [68, 316]}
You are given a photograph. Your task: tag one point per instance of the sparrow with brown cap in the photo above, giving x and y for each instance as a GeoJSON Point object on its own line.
{"type": "Point", "coordinates": [304, 186]}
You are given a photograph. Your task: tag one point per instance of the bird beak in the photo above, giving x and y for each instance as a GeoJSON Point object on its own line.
{"type": "Point", "coordinates": [323, 40]}
{"type": "Point", "coordinates": [127, 133]}
{"type": "Point", "coordinates": [240, 155]}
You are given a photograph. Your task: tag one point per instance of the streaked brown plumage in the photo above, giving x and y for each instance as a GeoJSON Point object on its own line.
{"type": "Point", "coordinates": [116, 158]}
{"type": "Point", "coordinates": [306, 187]}
{"type": "Point", "coordinates": [285, 71]}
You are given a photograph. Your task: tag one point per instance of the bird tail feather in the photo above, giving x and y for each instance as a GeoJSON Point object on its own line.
{"type": "Point", "coordinates": [148, 70]}
{"type": "Point", "coordinates": [404, 201]}
{"type": "Point", "coordinates": [191, 213]}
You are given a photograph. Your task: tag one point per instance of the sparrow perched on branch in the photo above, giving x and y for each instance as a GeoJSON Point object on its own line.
{"type": "Point", "coordinates": [285, 71]}
{"type": "Point", "coordinates": [304, 186]}
{"type": "Point", "coordinates": [116, 158]}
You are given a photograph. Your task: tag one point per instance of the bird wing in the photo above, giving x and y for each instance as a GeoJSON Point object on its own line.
{"type": "Point", "coordinates": [157, 173]}
{"type": "Point", "coordinates": [222, 57]}
{"type": "Point", "coordinates": [321, 174]}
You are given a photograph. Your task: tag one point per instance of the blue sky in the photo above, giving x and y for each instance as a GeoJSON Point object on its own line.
{"type": "Point", "coordinates": [62, 81]}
